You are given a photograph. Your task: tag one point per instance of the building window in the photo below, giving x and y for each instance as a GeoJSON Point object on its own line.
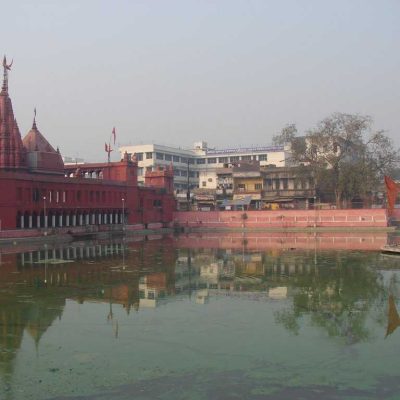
{"type": "Point", "coordinates": [139, 156]}
{"type": "Point", "coordinates": [241, 186]}
{"type": "Point", "coordinates": [223, 160]}
{"type": "Point", "coordinates": [140, 171]}
{"type": "Point", "coordinates": [191, 161]}
{"type": "Point", "coordinates": [176, 159]}
{"type": "Point", "coordinates": [168, 157]}
{"type": "Point", "coordinates": [258, 186]}
{"type": "Point", "coordinates": [262, 157]}
{"type": "Point", "coordinates": [149, 169]}
{"type": "Point", "coordinates": [184, 160]}
{"type": "Point", "coordinates": [176, 172]}
{"type": "Point", "coordinates": [246, 158]}
{"type": "Point", "coordinates": [36, 195]}
{"type": "Point", "coordinates": [209, 179]}
{"type": "Point", "coordinates": [204, 183]}
{"type": "Point", "coordinates": [149, 155]}
{"type": "Point", "coordinates": [234, 158]}
{"type": "Point", "coordinates": [183, 173]}
{"type": "Point", "coordinates": [212, 160]}
{"type": "Point", "coordinates": [201, 161]}
{"type": "Point", "coordinates": [285, 182]}
{"type": "Point", "coordinates": [159, 156]}
{"type": "Point", "coordinates": [192, 174]}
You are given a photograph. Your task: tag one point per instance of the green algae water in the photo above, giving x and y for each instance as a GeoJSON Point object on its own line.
{"type": "Point", "coordinates": [201, 317]}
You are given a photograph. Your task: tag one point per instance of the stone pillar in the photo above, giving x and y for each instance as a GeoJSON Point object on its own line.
{"type": "Point", "coordinates": [116, 218]}
{"type": "Point", "coordinates": [67, 220]}
{"type": "Point", "coordinates": [38, 221]}
{"type": "Point", "coordinates": [53, 221]}
{"type": "Point", "coordinates": [111, 218]}
{"type": "Point", "coordinates": [60, 220]}
{"type": "Point", "coordinates": [80, 219]}
{"type": "Point", "coordinates": [30, 221]}
{"type": "Point", "coordinates": [22, 221]}
{"type": "Point", "coordinates": [87, 219]}
{"type": "Point", "coordinates": [23, 258]}
{"type": "Point", "coordinates": [46, 221]}
{"type": "Point", "coordinates": [93, 219]}
{"type": "Point", "coordinates": [74, 220]}
{"type": "Point", "coordinates": [105, 218]}
{"type": "Point", "coordinates": [30, 257]}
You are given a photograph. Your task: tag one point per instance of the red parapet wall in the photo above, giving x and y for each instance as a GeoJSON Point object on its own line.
{"type": "Point", "coordinates": [360, 218]}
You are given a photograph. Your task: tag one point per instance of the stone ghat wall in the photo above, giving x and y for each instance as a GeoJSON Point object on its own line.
{"type": "Point", "coordinates": [363, 218]}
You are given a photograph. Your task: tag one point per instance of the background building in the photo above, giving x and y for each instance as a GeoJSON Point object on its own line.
{"type": "Point", "coordinates": [188, 165]}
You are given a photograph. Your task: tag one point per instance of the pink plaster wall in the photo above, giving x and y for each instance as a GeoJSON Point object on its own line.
{"type": "Point", "coordinates": [283, 218]}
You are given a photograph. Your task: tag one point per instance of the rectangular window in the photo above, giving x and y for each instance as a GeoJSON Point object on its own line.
{"type": "Point", "coordinates": [176, 172]}
{"type": "Point", "coordinates": [159, 156]}
{"type": "Point", "coordinates": [183, 173]}
{"type": "Point", "coordinates": [223, 160]}
{"type": "Point", "coordinates": [184, 160]}
{"type": "Point", "coordinates": [149, 155]}
{"type": "Point", "coordinates": [285, 182]}
{"type": "Point", "coordinates": [140, 171]}
{"type": "Point", "coordinates": [241, 186]}
{"type": "Point", "coordinates": [149, 169]}
{"type": "Point", "coordinates": [139, 156]}
{"type": "Point", "coordinates": [212, 160]}
{"type": "Point", "coordinates": [201, 161]}
{"type": "Point", "coordinates": [176, 159]}
{"type": "Point", "coordinates": [262, 157]}
{"type": "Point", "coordinates": [204, 183]}
{"type": "Point", "coordinates": [246, 158]}
{"type": "Point", "coordinates": [234, 159]}
{"type": "Point", "coordinates": [191, 161]}
{"type": "Point", "coordinates": [168, 157]}
{"type": "Point", "coordinates": [258, 186]}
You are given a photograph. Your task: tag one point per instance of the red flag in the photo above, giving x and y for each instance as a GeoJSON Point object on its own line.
{"type": "Point", "coordinates": [114, 134]}
{"type": "Point", "coordinates": [392, 189]}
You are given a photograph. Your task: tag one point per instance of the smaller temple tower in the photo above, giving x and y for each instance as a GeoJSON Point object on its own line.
{"type": "Point", "coordinates": [161, 178]}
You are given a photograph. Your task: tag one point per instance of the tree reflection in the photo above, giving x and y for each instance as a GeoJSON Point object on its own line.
{"type": "Point", "coordinates": [337, 296]}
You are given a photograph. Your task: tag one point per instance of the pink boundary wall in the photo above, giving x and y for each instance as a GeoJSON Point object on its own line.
{"type": "Point", "coordinates": [365, 218]}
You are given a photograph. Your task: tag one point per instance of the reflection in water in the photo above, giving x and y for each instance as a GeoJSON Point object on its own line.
{"type": "Point", "coordinates": [340, 293]}
{"type": "Point", "coordinates": [393, 317]}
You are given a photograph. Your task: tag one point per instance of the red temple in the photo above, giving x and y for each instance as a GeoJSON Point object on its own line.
{"type": "Point", "coordinates": [37, 192]}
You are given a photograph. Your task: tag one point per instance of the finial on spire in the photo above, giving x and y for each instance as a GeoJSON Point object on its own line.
{"type": "Point", "coordinates": [6, 68]}
{"type": "Point", "coordinates": [34, 119]}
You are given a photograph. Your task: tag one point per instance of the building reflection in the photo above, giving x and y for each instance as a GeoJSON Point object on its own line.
{"type": "Point", "coordinates": [334, 289]}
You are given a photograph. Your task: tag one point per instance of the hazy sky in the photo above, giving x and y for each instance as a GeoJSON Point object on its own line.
{"type": "Point", "coordinates": [173, 72]}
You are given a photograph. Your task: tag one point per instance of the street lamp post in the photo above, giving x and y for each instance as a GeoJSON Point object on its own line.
{"type": "Point", "coordinates": [188, 186]}
{"type": "Point", "coordinates": [123, 214]}
{"type": "Point", "coordinates": [44, 213]}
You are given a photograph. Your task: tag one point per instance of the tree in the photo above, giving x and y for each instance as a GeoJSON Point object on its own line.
{"type": "Point", "coordinates": [286, 135]}
{"type": "Point", "coordinates": [346, 158]}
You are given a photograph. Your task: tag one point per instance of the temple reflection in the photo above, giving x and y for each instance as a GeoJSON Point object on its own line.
{"type": "Point", "coordinates": [393, 316]}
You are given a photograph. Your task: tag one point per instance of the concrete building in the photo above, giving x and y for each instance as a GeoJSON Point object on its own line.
{"type": "Point", "coordinates": [189, 164]}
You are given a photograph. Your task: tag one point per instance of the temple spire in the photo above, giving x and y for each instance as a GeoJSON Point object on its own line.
{"type": "Point", "coordinates": [6, 68]}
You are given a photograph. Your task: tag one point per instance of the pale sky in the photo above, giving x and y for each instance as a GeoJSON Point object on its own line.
{"type": "Point", "coordinates": [228, 72]}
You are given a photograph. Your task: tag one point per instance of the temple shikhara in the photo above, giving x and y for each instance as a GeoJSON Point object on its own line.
{"type": "Point", "coordinates": [39, 193]}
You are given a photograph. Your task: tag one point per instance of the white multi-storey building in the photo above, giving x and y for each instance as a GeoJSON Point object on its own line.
{"type": "Point", "coordinates": [188, 164]}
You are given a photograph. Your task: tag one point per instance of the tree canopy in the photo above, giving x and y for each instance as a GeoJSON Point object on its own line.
{"type": "Point", "coordinates": [345, 156]}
